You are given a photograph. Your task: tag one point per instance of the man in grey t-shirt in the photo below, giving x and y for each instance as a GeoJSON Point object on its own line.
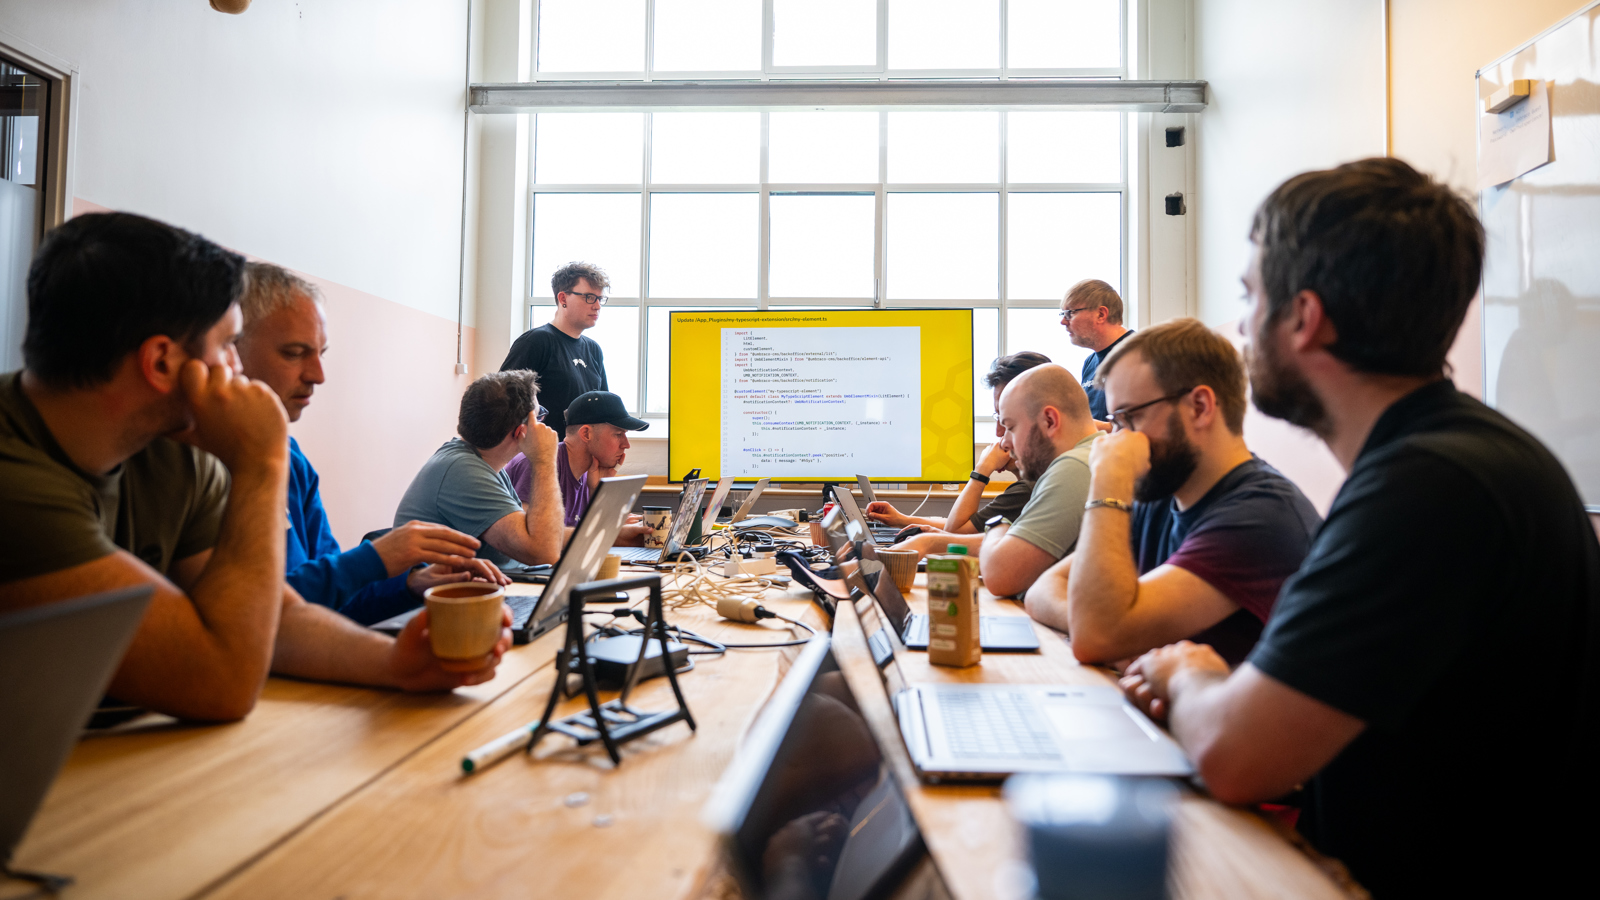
{"type": "Point", "coordinates": [1048, 430]}
{"type": "Point", "coordinates": [464, 484]}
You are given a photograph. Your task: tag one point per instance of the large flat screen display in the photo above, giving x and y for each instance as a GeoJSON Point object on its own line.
{"type": "Point", "coordinates": [822, 395]}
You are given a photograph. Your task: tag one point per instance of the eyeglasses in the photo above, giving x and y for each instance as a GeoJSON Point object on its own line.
{"type": "Point", "coordinates": [542, 413]}
{"type": "Point", "coordinates": [591, 299]}
{"type": "Point", "coordinates": [1067, 314]}
{"type": "Point", "coordinates": [1122, 419]}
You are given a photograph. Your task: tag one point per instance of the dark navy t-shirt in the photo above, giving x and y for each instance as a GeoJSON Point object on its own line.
{"type": "Point", "coordinates": [1097, 397]}
{"type": "Point", "coordinates": [1245, 537]}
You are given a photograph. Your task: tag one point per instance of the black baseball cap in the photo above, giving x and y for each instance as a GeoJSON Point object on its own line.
{"type": "Point", "coordinates": [598, 407]}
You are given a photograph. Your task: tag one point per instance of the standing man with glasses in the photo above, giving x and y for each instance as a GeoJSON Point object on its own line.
{"type": "Point", "coordinates": [568, 364]}
{"type": "Point", "coordinates": [1186, 534]}
{"type": "Point", "coordinates": [1092, 314]}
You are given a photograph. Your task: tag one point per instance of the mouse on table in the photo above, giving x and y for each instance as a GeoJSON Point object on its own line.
{"type": "Point", "coordinates": [911, 531]}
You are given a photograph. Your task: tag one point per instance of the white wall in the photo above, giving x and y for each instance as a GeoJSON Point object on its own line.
{"type": "Point", "coordinates": [1293, 86]}
{"type": "Point", "coordinates": [324, 136]}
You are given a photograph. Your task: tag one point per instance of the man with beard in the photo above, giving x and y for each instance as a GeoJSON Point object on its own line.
{"type": "Point", "coordinates": [1047, 430]}
{"type": "Point", "coordinates": [1211, 532]}
{"type": "Point", "coordinates": [1429, 674]}
{"type": "Point", "coordinates": [1092, 314]}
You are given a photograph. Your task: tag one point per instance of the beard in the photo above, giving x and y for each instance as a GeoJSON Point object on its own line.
{"type": "Point", "coordinates": [1279, 390]}
{"type": "Point", "coordinates": [1037, 455]}
{"type": "Point", "coordinates": [1172, 461]}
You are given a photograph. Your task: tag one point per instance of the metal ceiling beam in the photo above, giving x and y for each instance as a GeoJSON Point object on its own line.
{"type": "Point", "coordinates": [658, 96]}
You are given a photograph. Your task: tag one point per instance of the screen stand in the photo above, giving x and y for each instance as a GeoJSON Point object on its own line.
{"type": "Point", "coordinates": [615, 722]}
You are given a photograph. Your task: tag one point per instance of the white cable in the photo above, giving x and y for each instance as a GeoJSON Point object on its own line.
{"type": "Point", "coordinates": [924, 499]}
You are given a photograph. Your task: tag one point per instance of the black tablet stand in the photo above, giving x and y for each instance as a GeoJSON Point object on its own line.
{"type": "Point", "coordinates": [615, 722]}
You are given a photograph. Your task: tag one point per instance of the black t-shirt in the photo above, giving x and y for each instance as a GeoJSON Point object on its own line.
{"type": "Point", "coordinates": [1245, 537]}
{"type": "Point", "coordinates": [1450, 602]}
{"type": "Point", "coordinates": [1097, 397]}
{"type": "Point", "coordinates": [568, 366]}
{"type": "Point", "coordinates": [1008, 503]}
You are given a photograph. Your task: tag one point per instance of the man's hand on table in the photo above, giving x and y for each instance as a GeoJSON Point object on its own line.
{"type": "Point", "coordinates": [413, 667]}
{"type": "Point", "coordinates": [474, 570]}
{"type": "Point", "coordinates": [1148, 682]}
{"type": "Point", "coordinates": [425, 542]}
{"type": "Point", "coordinates": [931, 540]}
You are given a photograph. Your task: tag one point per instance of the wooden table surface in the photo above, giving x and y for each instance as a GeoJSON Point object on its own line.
{"type": "Point", "coordinates": [330, 791]}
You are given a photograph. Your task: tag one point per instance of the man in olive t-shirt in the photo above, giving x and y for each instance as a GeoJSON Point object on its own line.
{"type": "Point", "coordinates": [129, 344]}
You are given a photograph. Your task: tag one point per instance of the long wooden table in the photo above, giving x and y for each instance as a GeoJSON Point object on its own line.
{"type": "Point", "coordinates": [332, 791]}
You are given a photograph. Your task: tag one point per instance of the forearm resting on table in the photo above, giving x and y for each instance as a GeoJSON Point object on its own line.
{"type": "Point", "coordinates": [1010, 565]}
{"type": "Point", "coordinates": [317, 643]}
{"type": "Point", "coordinates": [1252, 738]}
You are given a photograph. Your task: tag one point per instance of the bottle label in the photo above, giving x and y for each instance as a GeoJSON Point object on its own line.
{"type": "Point", "coordinates": [941, 644]}
{"type": "Point", "coordinates": [945, 630]}
{"type": "Point", "coordinates": [944, 583]}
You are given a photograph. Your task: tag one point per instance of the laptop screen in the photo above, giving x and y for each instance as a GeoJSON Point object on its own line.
{"type": "Point", "coordinates": [810, 809]}
{"type": "Point", "coordinates": [845, 535]}
{"type": "Point", "coordinates": [590, 542]}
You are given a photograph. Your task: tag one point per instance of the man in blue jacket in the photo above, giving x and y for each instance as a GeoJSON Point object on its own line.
{"type": "Point", "coordinates": [282, 344]}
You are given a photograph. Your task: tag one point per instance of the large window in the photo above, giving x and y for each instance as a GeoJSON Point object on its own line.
{"type": "Point", "coordinates": [998, 211]}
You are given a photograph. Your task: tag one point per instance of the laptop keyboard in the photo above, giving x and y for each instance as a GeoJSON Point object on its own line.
{"type": "Point", "coordinates": [522, 606]}
{"type": "Point", "coordinates": [997, 724]}
{"type": "Point", "coordinates": [638, 554]}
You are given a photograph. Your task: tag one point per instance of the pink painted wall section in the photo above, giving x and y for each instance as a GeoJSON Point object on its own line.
{"type": "Point", "coordinates": [390, 399]}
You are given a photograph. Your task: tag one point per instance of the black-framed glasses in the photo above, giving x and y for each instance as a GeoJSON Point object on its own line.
{"type": "Point", "coordinates": [1122, 419]}
{"type": "Point", "coordinates": [1067, 314]}
{"type": "Point", "coordinates": [591, 299]}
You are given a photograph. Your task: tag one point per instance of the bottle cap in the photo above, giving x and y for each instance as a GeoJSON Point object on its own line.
{"type": "Point", "coordinates": [959, 549]}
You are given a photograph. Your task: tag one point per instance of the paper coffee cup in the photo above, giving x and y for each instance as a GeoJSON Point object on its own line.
{"type": "Point", "coordinates": [464, 619]}
{"type": "Point", "coordinates": [659, 519]}
{"type": "Point", "coordinates": [610, 567]}
{"type": "Point", "coordinates": [902, 566]}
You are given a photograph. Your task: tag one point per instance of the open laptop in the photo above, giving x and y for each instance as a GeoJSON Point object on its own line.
{"type": "Point", "coordinates": [743, 512]}
{"type": "Point", "coordinates": [986, 732]}
{"type": "Point", "coordinates": [677, 536]}
{"type": "Point", "coordinates": [724, 485]}
{"type": "Point", "coordinates": [996, 634]}
{"type": "Point", "coordinates": [811, 766]}
{"type": "Point", "coordinates": [535, 614]}
{"type": "Point", "coordinates": [55, 663]}
{"type": "Point", "coordinates": [879, 534]}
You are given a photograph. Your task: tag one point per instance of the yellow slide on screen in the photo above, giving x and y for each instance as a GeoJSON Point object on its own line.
{"type": "Point", "coordinates": [822, 395]}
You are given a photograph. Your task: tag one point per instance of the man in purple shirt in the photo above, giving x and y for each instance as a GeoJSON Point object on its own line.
{"type": "Point", "coordinates": [595, 444]}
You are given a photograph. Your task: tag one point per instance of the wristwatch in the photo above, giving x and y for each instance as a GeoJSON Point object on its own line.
{"type": "Point", "coordinates": [995, 520]}
{"type": "Point", "coordinates": [979, 477]}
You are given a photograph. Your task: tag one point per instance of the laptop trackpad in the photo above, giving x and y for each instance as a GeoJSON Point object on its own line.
{"type": "Point", "coordinates": [1092, 722]}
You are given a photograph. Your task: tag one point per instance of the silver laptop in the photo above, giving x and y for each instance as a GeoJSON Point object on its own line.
{"type": "Point", "coordinates": [985, 732]}
{"type": "Point", "coordinates": [878, 534]}
{"type": "Point", "coordinates": [535, 614]}
{"type": "Point", "coordinates": [740, 514]}
{"type": "Point", "coordinates": [996, 634]}
{"type": "Point", "coordinates": [724, 485]}
{"type": "Point", "coordinates": [682, 519]}
{"type": "Point", "coordinates": [866, 489]}
{"type": "Point", "coordinates": [55, 663]}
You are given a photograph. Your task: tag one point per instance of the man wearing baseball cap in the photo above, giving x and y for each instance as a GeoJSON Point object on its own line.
{"type": "Point", "coordinates": [596, 442]}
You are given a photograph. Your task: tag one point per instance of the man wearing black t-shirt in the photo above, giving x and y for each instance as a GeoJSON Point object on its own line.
{"type": "Point", "coordinates": [1429, 674]}
{"type": "Point", "coordinates": [568, 363]}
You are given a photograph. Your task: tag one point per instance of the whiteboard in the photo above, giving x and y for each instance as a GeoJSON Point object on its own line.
{"type": "Point", "coordinates": [1541, 277]}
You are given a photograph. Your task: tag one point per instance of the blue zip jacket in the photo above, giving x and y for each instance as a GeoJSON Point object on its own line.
{"type": "Point", "coordinates": [353, 582]}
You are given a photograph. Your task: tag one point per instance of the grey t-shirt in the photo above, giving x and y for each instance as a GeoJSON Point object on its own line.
{"type": "Point", "coordinates": [457, 488]}
{"type": "Point", "coordinates": [1050, 520]}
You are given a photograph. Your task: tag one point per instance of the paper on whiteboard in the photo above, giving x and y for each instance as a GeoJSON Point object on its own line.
{"type": "Point", "coordinates": [1515, 142]}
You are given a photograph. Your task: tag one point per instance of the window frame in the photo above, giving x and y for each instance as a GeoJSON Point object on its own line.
{"type": "Point", "coordinates": [879, 69]}
{"type": "Point", "coordinates": [822, 76]}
